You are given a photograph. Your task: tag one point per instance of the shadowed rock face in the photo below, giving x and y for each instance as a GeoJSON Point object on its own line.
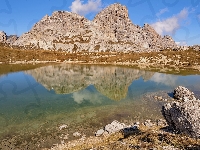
{"type": "Point", "coordinates": [183, 116]}
{"type": "Point", "coordinates": [113, 82]}
{"type": "Point", "coordinates": [111, 30]}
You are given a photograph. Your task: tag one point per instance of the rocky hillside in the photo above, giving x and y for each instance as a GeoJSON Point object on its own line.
{"type": "Point", "coordinates": [7, 39]}
{"type": "Point", "coordinates": [111, 30]}
{"type": "Point", "coordinates": [2, 36]}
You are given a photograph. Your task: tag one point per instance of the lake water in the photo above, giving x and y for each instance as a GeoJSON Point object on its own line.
{"type": "Point", "coordinates": [34, 103]}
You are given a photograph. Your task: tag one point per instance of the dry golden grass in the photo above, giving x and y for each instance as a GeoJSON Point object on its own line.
{"type": "Point", "coordinates": [189, 59]}
{"type": "Point", "coordinates": [144, 138]}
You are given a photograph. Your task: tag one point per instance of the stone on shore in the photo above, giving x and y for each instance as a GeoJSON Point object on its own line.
{"type": "Point", "coordinates": [116, 126]}
{"type": "Point", "coordinates": [99, 132]}
{"type": "Point", "coordinates": [183, 116]}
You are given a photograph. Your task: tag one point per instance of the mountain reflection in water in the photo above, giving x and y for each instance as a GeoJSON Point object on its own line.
{"type": "Point", "coordinates": [111, 81]}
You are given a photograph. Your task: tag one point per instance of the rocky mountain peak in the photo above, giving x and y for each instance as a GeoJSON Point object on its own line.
{"type": "Point", "coordinates": [114, 21]}
{"type": "Point", "coordinates": [110, 30]}
{"type": "Point", "coordinates": [61, 20]}
{"type": "Point", "coordinates": [113, 12]}
{"type": "Point", "coordinates": [149, 29]}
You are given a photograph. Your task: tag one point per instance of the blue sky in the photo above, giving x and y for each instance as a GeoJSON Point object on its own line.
{"type": "Point", "coordinates": [178, 18]}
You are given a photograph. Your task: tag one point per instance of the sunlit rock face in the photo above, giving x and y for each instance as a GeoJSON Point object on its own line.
{"type": "Point", "coordinates": [11, 39]}
{"type": "Point", "coordinates": [2, 36]}
{"type": "Point", "coordinates": [111, 81]}
{"type": "Point", "coordinates": [110, 30]}
{"type": "Point", "coordinates": [7, 39]}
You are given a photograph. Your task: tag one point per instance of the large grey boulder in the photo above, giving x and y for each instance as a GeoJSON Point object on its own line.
{"type": "Point", "coordinates": [183, 116]}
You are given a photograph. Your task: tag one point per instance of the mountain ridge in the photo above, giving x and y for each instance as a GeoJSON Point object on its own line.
{"type": "Point", "coordinates": [110, 30]}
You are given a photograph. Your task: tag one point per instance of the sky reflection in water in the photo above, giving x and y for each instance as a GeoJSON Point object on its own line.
{"type": "Point", "coordinates": [57, 94]}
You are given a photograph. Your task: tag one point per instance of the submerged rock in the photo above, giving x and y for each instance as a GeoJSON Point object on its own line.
{"type": "Point", "coordinates": [63, 126]}
{"type": "Point", "coordinates": [183, 116]}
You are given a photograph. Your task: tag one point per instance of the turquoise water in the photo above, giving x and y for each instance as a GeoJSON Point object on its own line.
{"type": "Point", "coordinates": [81, 96]}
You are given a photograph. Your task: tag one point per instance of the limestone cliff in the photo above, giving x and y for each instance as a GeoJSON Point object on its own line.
{"type": "Point", "coordinates": [112, 81]}
{"type": "Point", "coordinates": [7, 39]}
{"type": "Point", "coordinates": [110, 30]}
{"type": "Point", "coordinates": [2, 36]}
{"type": "Point", "coordinates": [11, 39]}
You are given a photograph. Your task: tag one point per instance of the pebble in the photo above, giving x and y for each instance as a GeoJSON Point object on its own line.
{"type": "Point", "coordinates": [63, 126]}
{"type": "Point", "coordinates": [99, 132]}
{"type": "Point", "coordinates": [66, 137]}
{"type": "Point", "coordinates": [76, 134]}
{"type": "Point", "coordinates": [148, 123]}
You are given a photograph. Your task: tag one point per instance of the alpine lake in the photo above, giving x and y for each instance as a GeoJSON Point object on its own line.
{"type": "Point", "coordinates": [42, 106]}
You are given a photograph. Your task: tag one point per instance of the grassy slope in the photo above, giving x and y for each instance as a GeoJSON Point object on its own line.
{"type": "Point", "coordinates": [144, 138]}
{"type": "Point", "coordinates": [190, 59]}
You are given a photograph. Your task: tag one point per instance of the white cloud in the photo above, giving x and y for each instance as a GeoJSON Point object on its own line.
{"type": "Point", "coordinates": [87, 95]}
{"type": "Point", "coordinates": [162, 11]}
{"type": "Point", "coordinates": [83, 9]}
{"type": "Point", "coordinates": [170, 25]}
{"type": "Point", "coordinates": [166, 79]}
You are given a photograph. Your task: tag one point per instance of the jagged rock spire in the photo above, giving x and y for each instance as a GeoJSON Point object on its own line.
{"type": "Point", "coordinates": [110, 30]}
